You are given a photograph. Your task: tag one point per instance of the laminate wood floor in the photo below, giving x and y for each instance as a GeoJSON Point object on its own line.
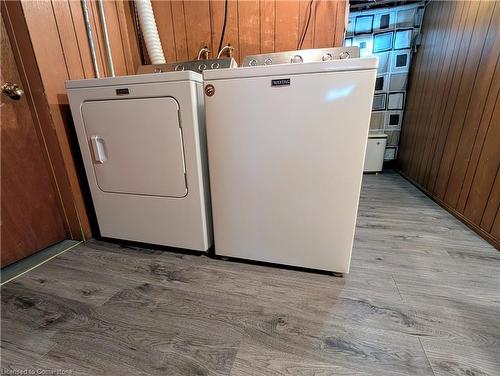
{"type": "Point", "coordinates": [422, 298]}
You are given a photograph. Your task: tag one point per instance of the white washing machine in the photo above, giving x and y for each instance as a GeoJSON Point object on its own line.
{"type": "Point", "coordinates": [286, 147]}
{"type": "Point", "coordinates": [142, 140]}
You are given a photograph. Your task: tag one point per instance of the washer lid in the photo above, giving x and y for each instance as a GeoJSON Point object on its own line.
{"type": "Point", "coordinates": [289, 69]}
{"type": "Point", "coordinates": [137, 79]}
{"type": "Point", "coordinates": [136, 146]}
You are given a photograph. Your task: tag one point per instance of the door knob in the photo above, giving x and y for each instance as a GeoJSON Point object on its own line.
{"type": "Point", "coordinates": [11, 90]}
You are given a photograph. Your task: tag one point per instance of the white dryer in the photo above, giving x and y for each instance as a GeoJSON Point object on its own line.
{"type": "Point", "coordinates": [142, 140]}
{"type": "Point", "coordinates": [286, 145]}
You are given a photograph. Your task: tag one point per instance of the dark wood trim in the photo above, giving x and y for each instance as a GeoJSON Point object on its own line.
{"type": "Point", "coordinates": [481, 232]}
{"type": "Point", "coordinates": [24, 55]}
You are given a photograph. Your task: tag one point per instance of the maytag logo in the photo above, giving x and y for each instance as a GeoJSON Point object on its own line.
{"type": "Point", "coordinates": [122, 91]}
{"type": "Point", "coordinates": [281, 82]}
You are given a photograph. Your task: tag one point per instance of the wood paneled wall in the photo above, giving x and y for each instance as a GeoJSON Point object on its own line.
{"type": "Point", "coordinates": [51, 44]}
{"type": "Point", "coordinates": [450, 142]}
{"type": "Point", "coordinates": [253, 26]}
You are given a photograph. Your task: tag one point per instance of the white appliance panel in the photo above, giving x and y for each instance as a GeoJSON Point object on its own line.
{"type": "Point", "coordinates": [136, 146]}
{"type": "Point", "coordinates": [286, 165]}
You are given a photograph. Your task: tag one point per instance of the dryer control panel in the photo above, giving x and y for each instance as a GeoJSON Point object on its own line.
{"type": "Point", "coordinates": [192, 65]}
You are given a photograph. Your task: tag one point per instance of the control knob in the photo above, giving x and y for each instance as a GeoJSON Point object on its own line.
{"type": "Point", "coordinates": [327, 57]}
{"type": "Point", "coordinates": [344, 55]}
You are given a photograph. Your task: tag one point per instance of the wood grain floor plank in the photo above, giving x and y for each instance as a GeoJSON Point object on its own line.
{"type": "Point", "coordinates": [253, 360]}
{"type": "Point", "coordinates": [363, 349]}
{"type": "Point", "coordinates": [91, 287]}
{"type": "Point", "coordinates": [448, 359]}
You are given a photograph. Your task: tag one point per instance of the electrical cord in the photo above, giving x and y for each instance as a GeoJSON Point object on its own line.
{"type": "Point", "coordinates": [223, 26]}
{"type": "Point", "coordinates": [306, 27]}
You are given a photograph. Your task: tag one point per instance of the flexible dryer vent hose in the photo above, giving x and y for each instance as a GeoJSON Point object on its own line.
{"type": "Point", "coordinates": [149, 31]}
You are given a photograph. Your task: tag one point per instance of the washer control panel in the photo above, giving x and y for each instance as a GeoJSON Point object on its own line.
{"type": "Point", "coordinates": [302, 56]}
{"type": "Point", "coordinates": [192, 65]}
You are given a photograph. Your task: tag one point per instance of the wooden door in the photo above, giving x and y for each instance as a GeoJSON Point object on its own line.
{"type": "Point", "coordinates": [30, 213]}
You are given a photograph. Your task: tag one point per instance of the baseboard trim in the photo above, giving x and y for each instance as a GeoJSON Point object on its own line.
{"type": "Point", "coordinates": [23, 266]}
{"type": "Point", "coordinates": [474, 227]}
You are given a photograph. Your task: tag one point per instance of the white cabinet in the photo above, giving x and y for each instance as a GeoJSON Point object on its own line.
{"type": "Point", "coordinates": [375, 149]}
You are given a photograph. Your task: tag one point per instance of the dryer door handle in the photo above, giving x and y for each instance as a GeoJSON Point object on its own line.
{"type": "Point", "coordinates": [98, 151]}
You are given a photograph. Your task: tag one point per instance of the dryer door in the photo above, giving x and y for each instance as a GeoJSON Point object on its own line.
{"type": "Point", "coordinates": [136, 146]}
